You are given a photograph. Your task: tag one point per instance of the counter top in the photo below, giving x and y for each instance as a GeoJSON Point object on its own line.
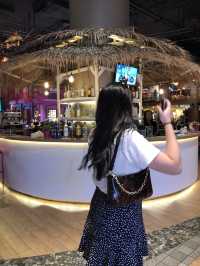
{"type": "Point", "coordinates": [75, 140]}
{"type": "Point", "coordinates": [186, 136]}
{"type": "Point", "coordinates": [27, 138]}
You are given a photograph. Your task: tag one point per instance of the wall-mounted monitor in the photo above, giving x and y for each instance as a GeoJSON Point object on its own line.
{"type": "Point", "coordinates": [126, 73]}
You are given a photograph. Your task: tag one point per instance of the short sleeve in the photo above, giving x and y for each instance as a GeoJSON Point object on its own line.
{"type": "Point", "coordinates": [141, 150]}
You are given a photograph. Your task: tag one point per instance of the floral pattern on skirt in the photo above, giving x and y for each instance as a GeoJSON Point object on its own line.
{"type": "Point", "coordinates": [113, 236]}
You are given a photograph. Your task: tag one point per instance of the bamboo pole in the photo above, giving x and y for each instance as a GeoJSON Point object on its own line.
{"type": "Point", "coordinates": [97, 74]}
{"type": "Point", "coordinates": [140, 90]}
{"type": "Point", "coordinates": [58, 94]}
{"type": "Point", "coordinates": [16, 76]}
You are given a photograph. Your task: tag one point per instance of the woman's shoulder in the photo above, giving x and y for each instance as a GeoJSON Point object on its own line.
{"type": "Point", "coordinates": [133, 138]}
{"type": "Point", "coordinates": [132, 134]}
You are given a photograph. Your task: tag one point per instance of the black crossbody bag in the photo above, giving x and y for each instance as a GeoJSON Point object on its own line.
{"type": "Point", "coordinates": [125, 189]}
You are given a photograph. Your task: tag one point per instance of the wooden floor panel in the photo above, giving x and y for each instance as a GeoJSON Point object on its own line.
{"type": "Point", "coordinates": [26, 231]}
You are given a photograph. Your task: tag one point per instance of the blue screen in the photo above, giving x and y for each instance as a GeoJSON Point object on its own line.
{"type": "Point", "coordinates": [1, 105]}
{"type": "Point", "coordinates": [125, 72]}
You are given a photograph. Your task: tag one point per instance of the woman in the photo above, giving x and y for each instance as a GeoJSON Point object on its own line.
{"type": "Point", "coordinates": [115, 236]}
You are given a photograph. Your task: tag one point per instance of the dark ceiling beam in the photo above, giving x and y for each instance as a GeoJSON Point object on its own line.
{"type": "Point", "coordinates": [168, 3]}
{"type": "Point", "coordinates": [7, 7]}
{"type": "Point", "coordinates": [152, 15]}
{"type": "Point", "coordinates": [172, 33]}
{"type": "Point", "coordinates": [40, 5]}
{"type": "Point", "coordinates": [63, 3]}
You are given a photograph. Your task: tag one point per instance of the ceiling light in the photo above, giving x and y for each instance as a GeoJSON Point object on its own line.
{"type": "Point", "coordinates": [130, 41]}
{"type": "Point", "coordinates": [161, 91]}
{"type": "Point", "coordinates": [46, 84]}
{"type": "Point", "coordinates": [61, 45]}
{"type": "Point", "coordinates": [117, 38]}
{"type": "Point", "coordinates": [46, 93]}
{"type": "Point", "coordinates": [71, 78]}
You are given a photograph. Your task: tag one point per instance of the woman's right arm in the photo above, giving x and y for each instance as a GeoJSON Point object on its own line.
{"type": "Point", "coordinates": [168, 161]}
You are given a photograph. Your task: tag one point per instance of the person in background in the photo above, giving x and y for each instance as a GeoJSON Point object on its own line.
{"type": "Point", "coordinates": [115, 236]}
{"type": "Point", "coordinates": [150, 122]}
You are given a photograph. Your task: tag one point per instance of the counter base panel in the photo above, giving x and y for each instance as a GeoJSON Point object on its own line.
{"type": "Point", "coordinates": [50, 170]}
{"type": "Point", "coordinates": [76, 203]}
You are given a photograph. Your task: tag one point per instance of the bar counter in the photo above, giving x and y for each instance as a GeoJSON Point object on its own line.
{"type": "Point", "coordinates": [48, 169]}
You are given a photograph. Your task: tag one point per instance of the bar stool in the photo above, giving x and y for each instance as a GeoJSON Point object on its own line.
{"type": "Point", "coordinates": [3, 203]}
{"type": "Point", "coordinates": [2, 172]}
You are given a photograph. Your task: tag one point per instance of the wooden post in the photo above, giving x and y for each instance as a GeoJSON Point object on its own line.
{"type": "Point", "coordinates": [58, 94]}
{"type": "Point", "coordinates": [140, 98]}
{"type": "Point", "coordinates": [140, 90]}
{"type": "Point", "coordinates": [97, 74]}
{"type": "Point", "coordinates": [18, 77]}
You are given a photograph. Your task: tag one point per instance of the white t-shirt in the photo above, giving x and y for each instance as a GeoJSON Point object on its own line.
{"type": "Point", "coordinates": [134, 154]}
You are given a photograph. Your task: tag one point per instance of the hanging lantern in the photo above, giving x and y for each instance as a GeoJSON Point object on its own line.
{"type": "Point", "coordinates": [46, 84]}
{"type": "Point", "coordinates": [161, 91]}
{"type": "Point", "coordinates": [71, 79]}
{"type": "Point", "coordinates": [46, 93]}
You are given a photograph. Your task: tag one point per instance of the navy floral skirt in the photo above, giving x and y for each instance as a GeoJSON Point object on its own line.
{"type": "Point", "coordinates": [113, 236]}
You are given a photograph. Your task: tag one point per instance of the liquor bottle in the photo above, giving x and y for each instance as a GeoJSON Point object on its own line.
{"type": "Point", "coordinates": [89, 92]}
{"type": "Point", "coordinates": [68, 111]}
{"type": "Point", "coordinates": [55, 131]}
{"type": "Point", "coordinates": [77, 93]}
{"type": "Point", "coordinates": [68, 94]}
{"type": "Point", "coordinates": [92, 92]}
{"type": "Point", "coordinates": [82, 92]}
{"type": "Point", "coordinates": [73, 113]}
{"type": "Point", "coordinates": [66, 130]}
{"type": "Point", "coordinates": [84, 130]}
{"type": "Point", "coordinates": [72, 93]}
{"type": "Point", "coordinates": [65, 93]}
{"type": "Point", "coordinates": [85, 93]}
{"type": "Point", "coordinates": [78, 110]}
{"type": "Point", "coordinates": [70, 129]}
{"type": "Point", "coordinates": [78, 130]}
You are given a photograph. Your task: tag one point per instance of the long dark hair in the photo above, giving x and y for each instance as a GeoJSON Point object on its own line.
{"type": "Point", "coordinates": [113, 116]}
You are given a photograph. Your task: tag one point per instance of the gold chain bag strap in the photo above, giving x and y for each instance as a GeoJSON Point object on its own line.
{"type": "Point", "coordinates": [125, 189]}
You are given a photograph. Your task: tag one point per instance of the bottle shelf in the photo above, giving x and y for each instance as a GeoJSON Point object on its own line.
{"type": "Point", "coordinates": [83, 118]}
{"type": "Point", "coordinates": [174, 101]}
{"type": "Point", "coordinates": [78, 100]}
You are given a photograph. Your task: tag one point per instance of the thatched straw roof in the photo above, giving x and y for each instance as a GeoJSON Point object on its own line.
{"type": "Point", "coordinates": [106, 47]}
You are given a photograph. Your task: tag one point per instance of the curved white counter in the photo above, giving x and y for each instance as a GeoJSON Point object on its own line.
{"type": "Point", "coordinates": [49, 170]}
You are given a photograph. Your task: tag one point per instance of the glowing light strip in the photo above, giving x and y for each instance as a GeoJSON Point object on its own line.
{"type": "Point", "coordinates": [42, 142]}
{"type": "Point", "coordinates": [79, 144]}
{"type": "Point", "coordinates": [75, 207]}
{"type": "Point", "coordinates": [167, 200]}
{"type": "Point", "coordinates": [184, 140]}
{"type": "Point", "coordinates": [36, 202]}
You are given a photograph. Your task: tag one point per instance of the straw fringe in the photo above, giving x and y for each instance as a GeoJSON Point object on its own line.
{"type": "Point", "coordinates": [96, 47]}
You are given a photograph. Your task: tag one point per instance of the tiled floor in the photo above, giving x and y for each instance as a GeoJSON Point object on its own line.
{"type": "Point", "coordinates": [183, 255]}
{"type": "Point", "coordinates": [177, 245]}
{"type": "Point", "coordinates": [166, 239]}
